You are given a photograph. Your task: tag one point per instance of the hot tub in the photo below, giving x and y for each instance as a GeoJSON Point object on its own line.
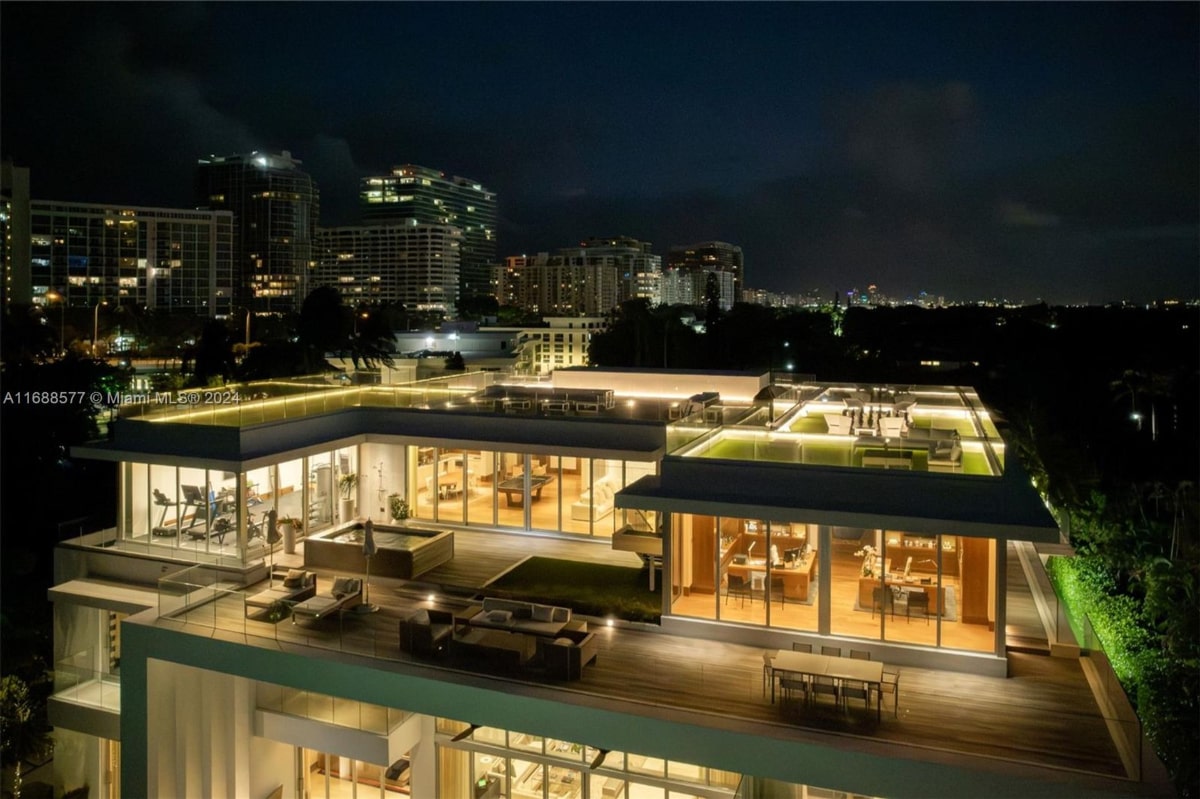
{"type": "Point", "coordinates": [404, 552]}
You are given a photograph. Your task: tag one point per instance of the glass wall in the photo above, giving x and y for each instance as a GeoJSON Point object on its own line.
{"type": "Point", "coordinates": [882, 585]}
{"type": "Point", "coordinates": [180, 508]}
{"type": "Point", "coordinates": [745, 570]}
{"type": "Point", "coordinates": [195, 511]}
{"type": "Point", "coordinates": [538, 491]}
{"type": "Point", "coordinates": [504, 764]}
{"type": "Point", "coordinates": [330, 776]}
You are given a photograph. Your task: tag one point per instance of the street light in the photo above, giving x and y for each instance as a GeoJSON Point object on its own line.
{"type": "Point", "coordinates": [54, 296]}
{"type": "Point", "coordinates": [96, 324]}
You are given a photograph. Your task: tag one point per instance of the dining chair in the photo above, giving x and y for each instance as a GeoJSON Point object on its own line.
{"type": "Point", "coordinates": [891, 685]}
{"type": "Point", "coordinates": [860, 654]}
{"type": "Point", "coordinates": [798, 647]}
{"type": "Point", "coordinates": [825, 685]}
{"type": "Point", "coordinates": [855, 689]}
{"type": "Point", "coordinates": [768, 669]}
{"type": "Point", "coordinates": [832, 651]}
{"type": "Point", "coordinates": [793, 685]}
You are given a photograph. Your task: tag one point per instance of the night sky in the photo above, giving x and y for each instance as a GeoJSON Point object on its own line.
{"type": "Point", "coordinates": [1012, 150]}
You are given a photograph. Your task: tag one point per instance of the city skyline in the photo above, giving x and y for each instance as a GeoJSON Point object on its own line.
{"type": "Point", "coordinates": [972, 151]}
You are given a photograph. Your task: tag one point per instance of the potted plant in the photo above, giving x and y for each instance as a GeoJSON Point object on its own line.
{"type": "Point", "coordinates": [289, 526]}
{"type": "Point", "coordinates": [867, 554]}
{"type": "Point", "coordinates": [347, 484]}
{"type": "Point", "coordinates": [399, 507]}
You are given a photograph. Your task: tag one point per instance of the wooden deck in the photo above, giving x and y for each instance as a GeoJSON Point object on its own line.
{"type": "Point", "coordinates": [1042, 715]}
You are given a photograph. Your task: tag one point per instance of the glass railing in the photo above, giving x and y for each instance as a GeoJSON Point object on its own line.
{"type": "Point", "coordinates": [330, 710]}
{"type": "Point", "coordinates": [745, 443]}
{"type": "Point", "coordinates": [110, 540]}
{"type": "Point", "coordinates": [1073, 629]}
{"type": "Point", "coordinates": [243, 404]}
{"type": "Point", "coordinates": [77, 680]}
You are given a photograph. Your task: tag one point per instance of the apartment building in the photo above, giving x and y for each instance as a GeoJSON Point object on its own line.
{"type": "Point", "coordinates": [430, 197]}
{"type": "Point", "coordinates": [168, 259]}
{"type": "Point", "coordinates": [877, 520]}
{"type": "Point", "coordinates": [275, 206]}
{"type": "Point", "coordinates": [410, 264]}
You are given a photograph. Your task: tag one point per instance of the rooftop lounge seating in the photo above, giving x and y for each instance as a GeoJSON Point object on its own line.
{"type": "Point", "coordinates": [838, 425]}
{"type": "Point", "coordinates": [426, 633]}
{"type": "Point", "coordinates": [522, 617]}
{"type": "Point", "coordinates": [297, 585]}
{"type": "Point", "coordinates": [495, 649]}
{"type": "Point", "coordinates": [345, 593]}
{"type": "Point", "coordinates": [945, 455]}
{"type": "Point", "coordinates": [565, 656]}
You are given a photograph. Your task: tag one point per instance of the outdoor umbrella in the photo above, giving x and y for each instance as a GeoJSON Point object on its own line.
{"type": "Point", "coordinates": [368, 553]}
{"type": "Point", "coordinates": [273, 538]}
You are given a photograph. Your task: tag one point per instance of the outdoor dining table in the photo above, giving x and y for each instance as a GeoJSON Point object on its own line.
{"type": "Point", "coordinates": [809, 664]}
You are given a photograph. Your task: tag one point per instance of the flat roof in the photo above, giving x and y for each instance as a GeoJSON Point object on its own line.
{"type": "Point", "coordinates": [117, 597]}
{"type": "Point", "coordinates": [924, 502]}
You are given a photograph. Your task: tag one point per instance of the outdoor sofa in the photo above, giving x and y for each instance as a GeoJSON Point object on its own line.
{"type": "Point", "coordinates": [522, 617]}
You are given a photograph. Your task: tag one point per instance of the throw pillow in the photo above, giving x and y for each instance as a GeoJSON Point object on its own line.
{"type": "Point", "coordinates": [499, 616]}
{"type": "Point", "coordinates": [564, 642]}
{"type": "Point", "coordinates": [543, 613]}
{"type": "Point", "coordinates": [421, 617]}
{"type": "Point", "coordinates": [294, 578]}
{"type": "Point", "coordinates": [343, 586]}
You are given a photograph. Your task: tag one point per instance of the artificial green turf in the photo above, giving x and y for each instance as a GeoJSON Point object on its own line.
{"type": "Point", "coordinates": [590, 589]}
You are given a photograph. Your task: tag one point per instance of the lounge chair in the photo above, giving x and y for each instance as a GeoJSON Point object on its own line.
{"type": "Point", "coordinates": [296, 586]}
{"type": "Point", "coordinates": [345, 593]}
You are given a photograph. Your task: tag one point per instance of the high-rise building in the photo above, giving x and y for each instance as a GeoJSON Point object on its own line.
{"type": "Point", "coordinates": [690, 287]}
{"type": "Point", "coordinates": [275, 209]}
{"type": "Point", "coordinates": [589, 280]}
{"type": "Point", "coordinates": [716, 256]}
{"type": "Point", "coordinates": [172, 259]}
{"type": "Point", "coordinates": [557, 285]}
{"type": "Point", "coordinates": [431, 198]}
{"type": "Point", "coordinates": [637, 268]}
{"type": "Point", "coordinates": [411, 264]}
{"type": "Point", "coordinates": [14, 235]}
{"type": "Point", "coordinates": [849, 598]}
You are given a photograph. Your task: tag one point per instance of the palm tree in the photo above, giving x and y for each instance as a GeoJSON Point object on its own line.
{"type": "Point", "coordinates": [22, 735]}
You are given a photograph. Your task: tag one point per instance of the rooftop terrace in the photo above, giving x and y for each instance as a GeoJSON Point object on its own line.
{"type": "Point", "coordinates": [924, 428]}
{"type": "Point", "coordinates": [1041, 723]}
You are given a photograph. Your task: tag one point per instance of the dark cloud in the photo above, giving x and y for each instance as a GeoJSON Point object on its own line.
{"type": "Point", "coordinates": [909, 136]}
{"type": "Point", "coordinates": [1020, 150]}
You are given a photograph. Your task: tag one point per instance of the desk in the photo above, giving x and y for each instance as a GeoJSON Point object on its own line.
{"type": "Point", "coordinates": [867, 586]}
{"type": "Point", "coordinates": [809, 664]}
{"type": "Point", "coordinates": [796, 579]}
{"type": "Point", "coordinates": [515, 487]}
